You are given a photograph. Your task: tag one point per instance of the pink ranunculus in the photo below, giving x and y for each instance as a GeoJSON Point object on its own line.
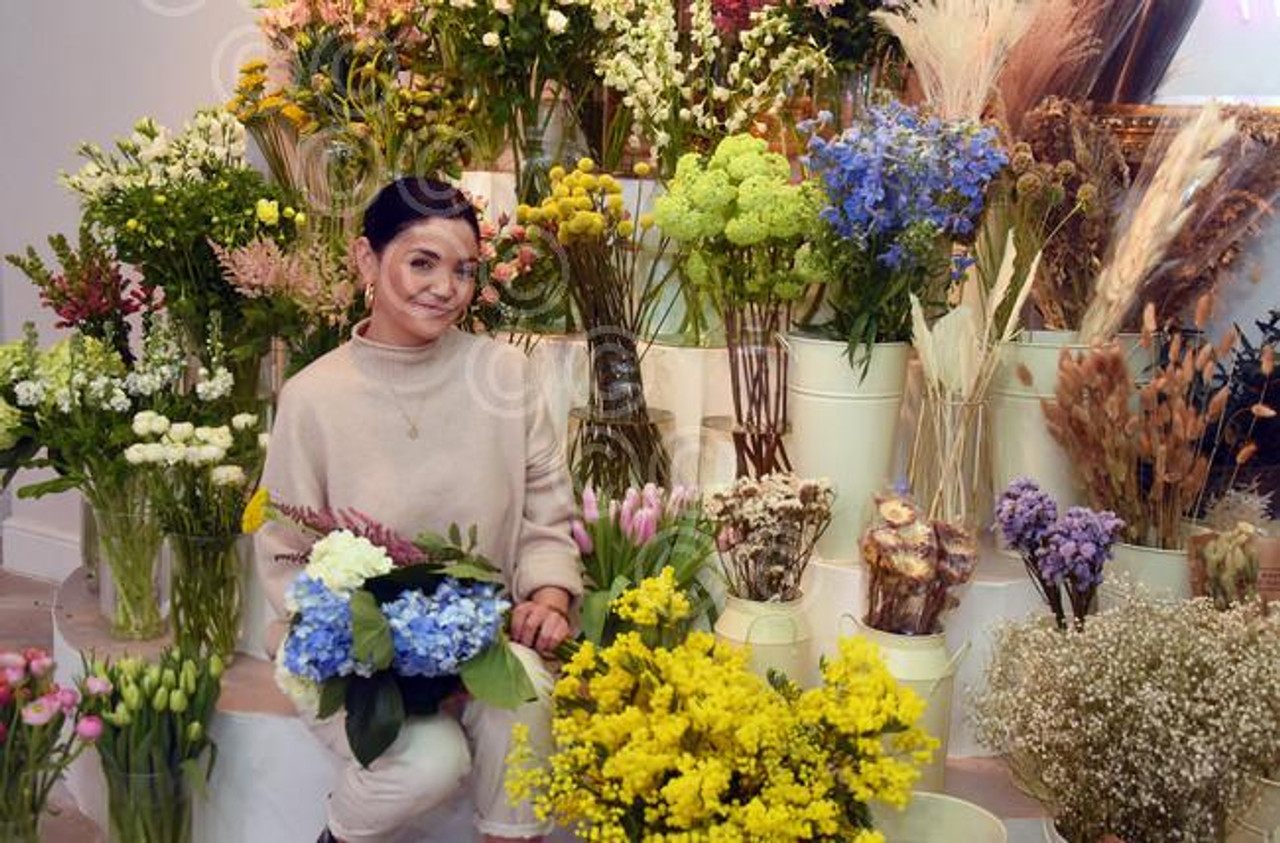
{"type": "Point", "coordinates": [518, 232]}
{"type": "Point", "coordinates": [11, 659]}
{"type": "Point", "coordinates": [590, 505]}
{"type": "Point", "coordinates": [97, 686]}
{"type": "Point", "coordinates": [527, 256]}
{"type": "Point", "coordinates": [487, 251]}
{"type": "Point", "coordinates": [40, 666]}
{"type": "Point", "coordinates": [488, 230]}
{"type": "Point", "coordinates": [505, 273]}
{"type": "Point", "coordinates": [582, 538]}
{"type": "Point", "coordinates": [39, 712]}
{"type": "Point", "coordinates": [89, 728]}
{"type": "Point", "coordinates": [489, 294]}
{"type": "Point", "coordinates": [68, 699]}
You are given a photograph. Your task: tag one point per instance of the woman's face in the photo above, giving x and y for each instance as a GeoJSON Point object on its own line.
{"type": "Point", "coordinates": [423, 281]}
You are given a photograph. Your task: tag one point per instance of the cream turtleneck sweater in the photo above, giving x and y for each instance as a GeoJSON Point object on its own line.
{"type": "Point", "coordinates": [486, 454]}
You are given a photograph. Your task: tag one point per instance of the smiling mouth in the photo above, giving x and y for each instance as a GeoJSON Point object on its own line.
{"type": "Point", "coordinates": [429, 309]}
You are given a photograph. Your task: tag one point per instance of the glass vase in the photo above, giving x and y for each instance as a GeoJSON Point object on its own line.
{"type": "Point", "coordinates": [208, 584]}
{"type": "Point", "coordinates": [133, 588]}
{"type": "Point", "coordinates": [613, 453]}
{"type": "Point", "coordinates": [151, 806]}
{"type": "Point", "coordinates": [950, 466]}
{"type": "Point", "coordinates": [89, 548]}
{"type": "Point", "coordinates": [758, 373]}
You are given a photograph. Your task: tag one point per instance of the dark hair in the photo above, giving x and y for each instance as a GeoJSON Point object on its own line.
{"type": "Point", "coordinates": [412, 199]}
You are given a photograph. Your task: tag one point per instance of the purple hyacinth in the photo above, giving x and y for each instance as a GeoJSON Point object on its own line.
{"type": "Point", "coordinates": [1025, 513]}
{"type": "Point", "coordinates": [1077, 546]}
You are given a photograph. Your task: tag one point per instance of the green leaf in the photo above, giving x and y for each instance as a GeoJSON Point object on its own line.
{"type": "Point", "coordinates": [333, 694]}
{"type": "Point", "coordinates": [595, 611]}
{"type": "Point", "coordinates": [375, 715]}
{"type": "Point", "coordinates": [455, 535]}
{"type": "Point", "coordinates": [470, 570]}
{"type": "Point", "coordinates": [48, 487]}
{"type": "Point", "coordinates": [371, 637]}
{"type": "Point", "coordinates": [497, 677]}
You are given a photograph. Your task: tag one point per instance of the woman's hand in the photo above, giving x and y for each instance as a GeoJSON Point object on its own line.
{"type": "Point", "coordinates": [542, 622]}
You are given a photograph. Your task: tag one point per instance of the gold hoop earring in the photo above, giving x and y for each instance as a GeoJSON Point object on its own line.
{"type": "Point", "coordinates": [368, 296]}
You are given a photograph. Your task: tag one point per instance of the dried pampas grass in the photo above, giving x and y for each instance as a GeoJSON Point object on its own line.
{"type": "Point", "coordinates": [958, 48]}
{"type": "Point", "coordinates": [1154, 218]}
{"type": "Point", "coordinates": [1064, 30]}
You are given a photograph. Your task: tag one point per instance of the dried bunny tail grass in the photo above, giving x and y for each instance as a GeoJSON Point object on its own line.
{"type": "Point", "coordinates": [958, 48]}
{"type": "Point", "coordinates": [1155, 218]}
{"type": "Point", "coordinates": [1065, 30]}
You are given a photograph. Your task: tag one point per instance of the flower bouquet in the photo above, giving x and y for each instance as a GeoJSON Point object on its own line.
{"type": "Point", "coordinates": [740, 223]}
{"type": "Point", "coordinates": [915, 565]}
{"type": "Point", "coordinates": [766, 530]}
{"type": "Point", "coordinates": [155, 739]}
{"type": "Point", "coordinates": [200, 479]}
{"type": "Point", "coordinates": [622, 543]}
{"type": "Point", "coordinates": [386, 628]}
{"type": "Point", "coordinates": [1064, 553]}
{"type": "Point", "coordinates": [1150, 722]}
{"type": "Point", "coordinates": [35, 750]}
{"type": "Point", "coordinates": [655, 742]}
{"type": "Point", "coordinates": [616, 294]}
{"type": "Point", "coordinates": [165, 201]}
{"type": "Point", "coordinates": [899, 189]}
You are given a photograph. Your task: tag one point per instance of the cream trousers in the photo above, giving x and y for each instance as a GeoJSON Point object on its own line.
{"type": "Point", "coordinates": [431, 760]}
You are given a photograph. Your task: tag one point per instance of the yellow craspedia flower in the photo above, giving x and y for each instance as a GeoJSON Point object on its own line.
{"type": "Point", "coordinates": [646, 221]}
{"type": "Point", "coordinates": [586, 165]}
{"type": "Point", "coordinates": [626, 228]}
{"type": "Point", "coordinates": [268, 211]}
{"type": "Point", "coordinates": [590, 183]}
{"type": "Point", "coordinates": [523, 213]}
{"type": "Point", "coordinates": [609, 184]}
{"type": "Point", "coordinates": [642, 169]}
{"type": "Point", "coordinates": [565, 207]}
{"type": "Point", "coordinates": [556, 173]}
{"type": "Point", "coordinates": [255, 511]}
{"type": "Point", "coordinates": [583, 203]}
{"type": "Point", "coordinates": [614, 205]}
{"type": "Point", "coordinates": [560, 191]}
{"type": "Point", "coordinates": [579, 191]}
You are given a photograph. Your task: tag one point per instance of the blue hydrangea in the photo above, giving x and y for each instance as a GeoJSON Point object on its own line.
{"type": "Point", "coordinates": [434, 635]}
{"type": "Point", "coordinates": [896, 180]}
{"type": "Point", "coordinates": [1024, 514]}
{"type": "Point", "coordinates": [319, 643]}
{"type": "Point", "coordinates": [1076, 547]}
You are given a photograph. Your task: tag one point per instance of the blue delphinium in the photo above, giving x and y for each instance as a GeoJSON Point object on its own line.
{"type": "Point", "coordinates": [434, 635]}
{"type": "Point", "coordinates": [1024, 514]}
{"type": "Point", "coordinates": [319, 643]}
{"type": "Point", "coordinates": [897, 181]}
{"type": "Point", "coordinates": [1076, 547]}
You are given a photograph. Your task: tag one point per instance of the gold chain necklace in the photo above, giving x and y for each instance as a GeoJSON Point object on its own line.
{"type": "Point", "coordinates": [412, 425]}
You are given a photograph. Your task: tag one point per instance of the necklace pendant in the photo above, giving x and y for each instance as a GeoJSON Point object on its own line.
{"type": "Point", "coordinates": [413, 431]}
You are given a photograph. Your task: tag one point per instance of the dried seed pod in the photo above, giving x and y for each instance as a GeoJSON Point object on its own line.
{"type": "Point", "coordinates": [1228, 342]}
{"type": "Point", "coordinates": [1204, 310]}
{"type": "Point", "coordinates": [1262, 411]}
{"type": "Point", "coordinates": [1148, 325]}
{"type": "Point", "coordinates": [1268, 360]}
{"type": "Point", "coordinates": [1246, 453]}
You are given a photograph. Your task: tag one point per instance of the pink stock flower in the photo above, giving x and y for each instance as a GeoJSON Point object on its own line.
{"type": "Point", "coordinates": [590, 505]}
{"type": "Point", "coordinates": [68, 699]}
{"type": "Point", "coordinates": [40, 666]}
{"type": "Point", "coordinates": [582, 538]}
{"type": "Point", "coordinates": [89, 728]}
{"type": "Point", "coordinates": [97, 686]}
{"type": "Point", "coordinates": [39, 712]}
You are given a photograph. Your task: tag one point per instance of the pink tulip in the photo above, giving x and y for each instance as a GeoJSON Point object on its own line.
{"type": "Point", "coordinates": [39, 712]}
{"type": "Point", "coordinates": [68, 699]}
{"type": "Point", "coordinates": [41, 665]}
{"type": "Point", "coordinates": [590, 505]}
{"type": "Point", "coordinates": [89, 728]}
{"type": "Point", "coordinates": [97, 686]}
{"type": "Point", "coordinates": [629, 504]}
{"type": "Point", "coordinates": [613, 510]}
{"type": "Point", "coordinates": [644, 526]}
{"type": "Point", "coordinates": [582, 538]}
{"type": "Point", "coordinates": [652, 495]}
{"type": "Point", "coordinates": [10, 659]}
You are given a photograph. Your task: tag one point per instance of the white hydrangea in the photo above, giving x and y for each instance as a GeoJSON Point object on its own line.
{"type": "Point", "coordinates": [343, 561]}
{"type": "Point", "coordinates": [227, 475]}
{"type": "Point", "coordinates": [244, 421]}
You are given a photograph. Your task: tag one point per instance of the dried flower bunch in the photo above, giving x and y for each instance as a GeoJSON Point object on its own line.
{"type": "Point", "coordinates": [1061, 553]}
{"type": "Point", "coordinates": [1149, 723]}
{"type": "Point", "coordinates": [766, 530]}
{"type": "Point", "coordinates": [1061, 130]}
{"type": "Point", "coordinates": [915, 566]}
{"type": "Point", "coordinates": [1144, 452]}
{"type": "Point", "coordinates": [1231, 565]}
{"type": "Point", "coordinates": [1235, 505]}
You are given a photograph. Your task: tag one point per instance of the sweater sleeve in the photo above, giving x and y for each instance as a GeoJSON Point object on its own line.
{"type": "Point", "coordinates": [545, 553]}
{"type": "Point", "coordinates": [292, 474]}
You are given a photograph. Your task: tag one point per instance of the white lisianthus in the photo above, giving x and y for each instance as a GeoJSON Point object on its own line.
{"type": "Point", "coordinates": [142, 422]}
{"type": "Point", "coordinates": [556, 21]}
{"type": "Point", "coordinates": [173, 454]}
{"type": "Point", "coordinates": [135, 454]}
{"type": "Point", "coordinates": [503, 7]}
{"type": "Point", "coordinates": [181, 431]}
{"type": "Point", "coordinates": [227, 475]}
{"type": "Point", "coordinates": [343, 561]}
{"type": "Point", "coordinates": [304, 693]}
{"type": "Point", "coordinates": [244, 421]}
{"type": "Point", "coordinates": [159, 424]}
{"type": "Point", "coordinates": [490, 39]}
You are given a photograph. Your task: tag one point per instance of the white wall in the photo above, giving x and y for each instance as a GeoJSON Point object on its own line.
{"type": "Point", "coordinates": [73, 70]}
{"type": "Point", "coordinates": [76, 70]}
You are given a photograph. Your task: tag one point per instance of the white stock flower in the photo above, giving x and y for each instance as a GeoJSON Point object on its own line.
{"type": "Point", "coordinates": [343, 561]}
{"type": "Point", "coordinates": [556, 21]}
{"type": "Point", "coordinates": [244, 421]}
{"type": "Point", "coordinates": [227, 475]}
{"type": "Point", "coordinates": [216, 386]}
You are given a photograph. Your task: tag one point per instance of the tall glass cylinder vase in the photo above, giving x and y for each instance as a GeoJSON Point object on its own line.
{"type": "Point", "coordinates": [758, 373]}
{"type": "Point", "coordinates": [89, 548]}
{"type": "Point", "coordinates": [208, 575]}
{"type": "Point", "coordinates": [148, 806]}
{"type": "Point", "coordinates": [950, 467]}
{"type": "Point", "coordinates": [133, 588]}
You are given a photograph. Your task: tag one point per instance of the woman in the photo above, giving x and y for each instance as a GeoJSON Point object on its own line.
{"type": "Point", "coordinates": [421, 425]}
